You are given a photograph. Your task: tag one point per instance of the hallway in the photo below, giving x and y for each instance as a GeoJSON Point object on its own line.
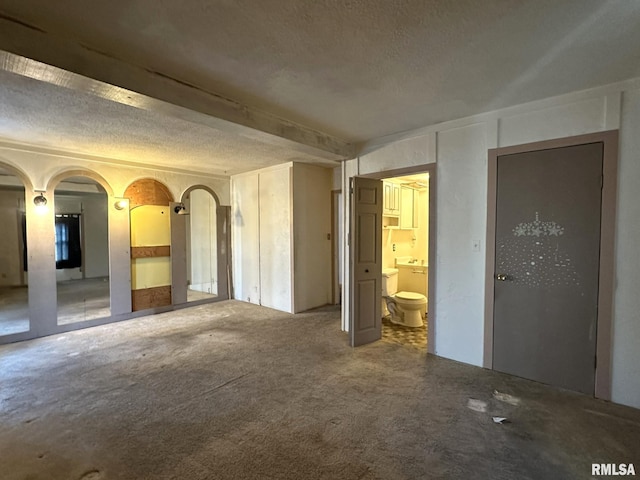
{"type": "Point", "coordinates": [236, 391]}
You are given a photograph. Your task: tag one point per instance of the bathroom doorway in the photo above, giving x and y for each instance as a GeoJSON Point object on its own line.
{"type": "Point", "coordinates": [405, 260]}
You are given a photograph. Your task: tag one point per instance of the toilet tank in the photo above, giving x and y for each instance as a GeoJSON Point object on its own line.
{"type": "Point", "coordinates": [389, 281]}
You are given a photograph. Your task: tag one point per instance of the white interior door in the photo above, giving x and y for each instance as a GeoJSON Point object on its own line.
{"type": "Point", "coordinates": [365, 323]}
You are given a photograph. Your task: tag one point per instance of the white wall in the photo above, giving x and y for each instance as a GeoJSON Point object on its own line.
{"type": "Point", "coordinates": [460, 150]}
{"type": "Point", "coordinates": [312, 224]}
{"type": "Point", "coordinates": [245, 233]}
{"type": "Point", "coordinates": [462, 213]}
{"type": "Point", "coordinates": [626, 325]}
{"type": "Point", "coordinates": [276, 257]}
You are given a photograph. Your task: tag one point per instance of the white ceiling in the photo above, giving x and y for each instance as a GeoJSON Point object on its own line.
{"type": "Point", "coordinates": [355, 70]}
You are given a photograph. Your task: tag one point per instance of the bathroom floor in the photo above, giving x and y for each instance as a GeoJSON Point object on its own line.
{"type": "Point", "coordinates": [411, 336]}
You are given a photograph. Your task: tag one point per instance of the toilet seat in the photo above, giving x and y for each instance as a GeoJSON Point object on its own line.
{"type": "Point", "coordinates": [410, 298]}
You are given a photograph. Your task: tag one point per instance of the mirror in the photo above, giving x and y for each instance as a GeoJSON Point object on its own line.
{"type": "Point", "coordinates": [81, 250]}
{"type": "Point", "coordinates": [14, 290]}
{"type": "Point", "coordinates": [202, 246]}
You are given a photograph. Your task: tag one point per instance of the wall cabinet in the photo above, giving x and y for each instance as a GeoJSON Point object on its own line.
{"type": "Point", "coordinates": [409, 208]}
{"type": "Point", "coordinates": [391, 199]}
{"type": "Point", "coordinates": [280, 226]}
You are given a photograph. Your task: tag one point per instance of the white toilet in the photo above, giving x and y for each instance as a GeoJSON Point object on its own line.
{"type": "Point", "coordinates": [405, 308]}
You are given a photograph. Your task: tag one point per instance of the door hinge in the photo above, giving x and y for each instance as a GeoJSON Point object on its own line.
{"type": "Point", "coordinates": [601, 182]}
{"type": "Point", "coordinates": [595, 362]}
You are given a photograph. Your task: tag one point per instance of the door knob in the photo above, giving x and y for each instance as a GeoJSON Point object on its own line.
{"type": "Point", "coordinates": [503, 277]}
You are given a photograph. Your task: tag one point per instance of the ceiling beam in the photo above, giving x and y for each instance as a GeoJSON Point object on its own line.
{"type": "Point", "coordinates": [33, 52]}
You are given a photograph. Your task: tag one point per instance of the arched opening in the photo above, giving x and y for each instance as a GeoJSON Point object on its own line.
{"type": "Point", "coordinates": [81, 250]}
{"type": "Point", "coordinates": [202, 245]}
{"type": "Point", "coordinates": [14, 289]}
{"type": "Point", "coordinates": [149, 202]}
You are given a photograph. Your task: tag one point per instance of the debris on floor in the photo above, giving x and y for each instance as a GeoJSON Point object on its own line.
{"type": "Point", "coordinates": [500, 420]}
{"type": "Point", "coordinates": [477, 405]}
{"type": "Point", "coordinates": [506, 398]}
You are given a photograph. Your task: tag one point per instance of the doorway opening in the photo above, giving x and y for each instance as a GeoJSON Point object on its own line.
{"type": "Point", "coordinates": [81, 250]}
{"type": "Point", "coordinates": [405, 260]}
{"type": "Point", "coordinates": [14, 284]}
{"type": "Point", "coordinates": [202, 246]}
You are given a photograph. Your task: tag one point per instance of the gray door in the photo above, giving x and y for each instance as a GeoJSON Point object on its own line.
{"type": "Point", "coordinates": [365, 323]}
{"type": "Point", "coordinates": [547, 265]}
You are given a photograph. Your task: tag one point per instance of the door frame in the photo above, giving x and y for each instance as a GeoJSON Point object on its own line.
{"type": "Point", "coordinates": [431, 169]}
{"type": "Point", "coordinates": [336, 294]}
{"type": "Point", "coordinates": [609, 140]}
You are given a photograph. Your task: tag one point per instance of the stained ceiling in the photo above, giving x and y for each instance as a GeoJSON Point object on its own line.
{"type": "Point", "coordinates": [326, 74]}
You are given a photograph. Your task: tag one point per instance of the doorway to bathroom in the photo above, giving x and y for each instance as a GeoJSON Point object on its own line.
{"type": "Point", "coordinates": [405, 259]}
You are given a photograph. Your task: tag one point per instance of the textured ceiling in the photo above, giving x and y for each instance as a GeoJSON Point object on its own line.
{"type": "Point", "coordinates": [45, 115]}
{"type": "Point", "coordinates": [357, 69]}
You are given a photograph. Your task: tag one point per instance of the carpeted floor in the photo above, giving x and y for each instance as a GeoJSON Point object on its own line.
{"type": "Point", "coordinates": [236, 391]}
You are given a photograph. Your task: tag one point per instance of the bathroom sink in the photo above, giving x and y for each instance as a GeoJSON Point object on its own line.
{"type": "Point", "coordinates": [410, 262]}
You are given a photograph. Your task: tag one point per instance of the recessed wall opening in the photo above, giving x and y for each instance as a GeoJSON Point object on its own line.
{"type": "Point", "coordinates": [14, 285]}
{"type": "Point", "coordinates": [81, 250]}
{"type": "Point", "coordinates": [202, 246]}
{"type": "Point", "coordinates": [405, 259]}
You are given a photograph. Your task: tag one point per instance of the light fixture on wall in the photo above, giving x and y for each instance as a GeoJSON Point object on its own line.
{"type": "Point", "coordinates": [180, 209]}
{"type": "Point", "coordinates": [120, 204]}
{"type": "Point", "coordinates": [40, 201]}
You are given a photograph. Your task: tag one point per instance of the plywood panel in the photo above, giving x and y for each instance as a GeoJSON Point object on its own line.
{"type": "Point", "coordinates": [145, 252]}
{"type": "Point", "coordinates": [148, 191]}
{"type": "Point", "coordinates": [151, 298]}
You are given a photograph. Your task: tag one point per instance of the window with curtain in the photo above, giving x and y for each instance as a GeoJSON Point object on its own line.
{"type": "Point", "coordinates": [68, 247]}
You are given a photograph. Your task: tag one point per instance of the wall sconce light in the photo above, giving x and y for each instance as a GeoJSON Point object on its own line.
{"type": "Point", "coordinates": [40, 201]}
{"type": "Point", "coordinates": [180, 209]}
{"type": "Point", "coordinates": [120, 204]}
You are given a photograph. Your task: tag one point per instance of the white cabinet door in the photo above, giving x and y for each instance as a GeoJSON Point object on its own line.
{"type": "Point", "coordinates": [408, 210]}
{"type": "Point", "coordinates": [391, 199]}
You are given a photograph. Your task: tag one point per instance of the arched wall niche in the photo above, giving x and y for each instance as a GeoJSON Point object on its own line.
{"type": "Point", "coordinates": [186, 193]}
{"type": "Point", "coordinates": [61, 176]}
{"type": "Point", "coordinates": [201, 247]}
{"type": "Point", "coordinates": [151, 243]}
{"type": "Point", "coordinates": [14, 170]}
{"type": "Point", "coordinates": [15, 187]}
{"type": "Point", "coordinates": [148, 191]}
{"type": "Point", "coordinates": [81, 245]}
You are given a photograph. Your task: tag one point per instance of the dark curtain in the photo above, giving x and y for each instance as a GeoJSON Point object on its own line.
{"type": "Point", "coordinates": [68, 251]}
{"type": "Point", "coordinates": [24, 242]}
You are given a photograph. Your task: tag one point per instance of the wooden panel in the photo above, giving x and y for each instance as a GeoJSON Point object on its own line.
{"type": "Point", "coordinates": [150, 298]}
{"type": "Point", "coordinates": [147, 191]}
{"type": "Point", "coordinates": [145, 252]}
